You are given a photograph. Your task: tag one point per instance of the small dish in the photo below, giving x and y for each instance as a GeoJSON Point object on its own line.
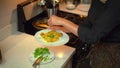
{"type": "Point", "coordinates": [70, 6]}
{"type": "Point", "coordinates": [51, 56]}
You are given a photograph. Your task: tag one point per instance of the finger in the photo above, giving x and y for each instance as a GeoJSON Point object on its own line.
{"type": "Point", "coordinates": [50, 27]}
{"type": "Point", "coordinates": [49, 22]}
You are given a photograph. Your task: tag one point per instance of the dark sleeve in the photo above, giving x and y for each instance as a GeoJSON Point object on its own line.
{"type": "Point", "coordinates": [102, 26]}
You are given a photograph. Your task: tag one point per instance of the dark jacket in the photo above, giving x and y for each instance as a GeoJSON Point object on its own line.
{"type": "Point", "coordinates": [102, 22]}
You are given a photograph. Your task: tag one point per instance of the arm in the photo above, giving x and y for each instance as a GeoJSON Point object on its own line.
{"type": "Point", "coordinates": [102, 26]}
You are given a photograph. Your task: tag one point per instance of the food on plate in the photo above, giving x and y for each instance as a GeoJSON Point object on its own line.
{"type": "Point", "coordinates": [42, 53]}
{"type": "Point", "coordinates": [51, 36]}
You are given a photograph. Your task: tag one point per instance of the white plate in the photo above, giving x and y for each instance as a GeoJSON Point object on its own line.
{"type": "Point", "coordinates": [63, 40]}
{"type": "Point", "coordinates": [51, 56]}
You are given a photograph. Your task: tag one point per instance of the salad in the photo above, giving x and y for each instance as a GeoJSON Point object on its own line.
{"type": "Point", "coordinates": [42, 53]}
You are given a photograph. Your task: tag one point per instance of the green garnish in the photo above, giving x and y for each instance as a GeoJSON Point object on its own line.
{"type": "Point", "coordinates": [51, 36]}
{"type": "Point", "coordinates": [41, 52]}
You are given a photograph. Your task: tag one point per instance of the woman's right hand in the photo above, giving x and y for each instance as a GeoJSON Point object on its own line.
{"type": "Point", "coordinates": [59, 28]}
{"type": "Point", "coordinates": [55, 20]}
{"type": "Point", "coordinates": [62, 22]}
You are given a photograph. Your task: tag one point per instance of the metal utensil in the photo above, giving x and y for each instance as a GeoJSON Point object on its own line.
{"type": "Point", "coordinates": [37, 62]}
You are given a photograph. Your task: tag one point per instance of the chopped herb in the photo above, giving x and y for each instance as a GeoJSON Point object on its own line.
{"type": "Point", "coordinates": [41, 52]}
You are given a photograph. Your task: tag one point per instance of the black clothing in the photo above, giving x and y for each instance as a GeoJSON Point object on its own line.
{"type": "Point", "coordinates": [102, 22]}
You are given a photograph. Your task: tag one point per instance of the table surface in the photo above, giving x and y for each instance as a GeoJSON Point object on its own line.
{"type": "Point", "coordinates": [81, 9]}
{"type": "Point", "coordinates": [17, 48]}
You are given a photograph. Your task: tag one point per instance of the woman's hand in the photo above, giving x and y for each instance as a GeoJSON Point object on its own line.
{"type": "Point", "coordinates": [59, 28]}
{"type": "Point", "coordinates": [55, 20]}
{"type": "Point", "coordinates": [57, 23]}
{"type": "Point", "coordinates": [69, 26]}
